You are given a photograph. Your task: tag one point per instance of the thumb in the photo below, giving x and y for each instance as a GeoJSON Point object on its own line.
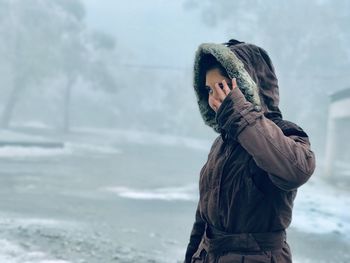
{"type": "Point", "coordinates": [234, 83]}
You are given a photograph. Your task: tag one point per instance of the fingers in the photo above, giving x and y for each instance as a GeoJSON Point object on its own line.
{"type": "Point", "coordinates": [216, 104]}
{"type": "Point", "coordinates": [218, 92]}
{"type": "Point", "coordinates": [221, 93]}
{"type": "Point", "coordinates": [234, 83]}
{"type": "Point", "coordinates": [226, 88]}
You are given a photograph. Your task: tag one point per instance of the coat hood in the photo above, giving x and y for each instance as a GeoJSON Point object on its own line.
{"type": "Point", "coordinates": [253, 70]}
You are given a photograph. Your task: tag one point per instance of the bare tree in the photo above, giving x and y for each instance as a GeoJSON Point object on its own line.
{"type": "Point", "coordinates": [48, 40]}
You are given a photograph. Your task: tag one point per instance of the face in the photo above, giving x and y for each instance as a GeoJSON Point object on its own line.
{"type": "Point", "coordinates": [214, 76]}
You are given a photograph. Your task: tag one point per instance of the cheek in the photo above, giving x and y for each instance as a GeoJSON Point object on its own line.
{"type": "Point", "coordinates": [211, 101]}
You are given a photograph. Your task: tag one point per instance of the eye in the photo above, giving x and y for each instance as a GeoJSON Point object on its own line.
{"type": "Point", "coordinates": [209, 90]}
{"type": "Point", "coordinates": [222, 85]}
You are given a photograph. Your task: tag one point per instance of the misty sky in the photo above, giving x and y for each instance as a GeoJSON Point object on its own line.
{"type": "Point", "coordinates": [155, 31]}
{"type": "Point", "coordinates": [156, 35]}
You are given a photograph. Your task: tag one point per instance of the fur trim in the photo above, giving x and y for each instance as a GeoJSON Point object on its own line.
{"type": "Point", "coordinates": [235, 69]}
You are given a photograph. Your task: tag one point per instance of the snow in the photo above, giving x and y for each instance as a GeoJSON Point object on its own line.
{"type": "Point", "coordinates": [319, 207]}
{"type": "Point", "coordinates": [11, 252]}
{"type": "Point", "coordinates": [7, 135]}
{"type": "Point", "coordinates": [149, 138]}
{"type": "Point", "coordinates": [17, 252]}
{"type": "Point", "coordinates": [322, 208]}
{"type": "Point", "coordinates": [18, 151]}
{"type": "Point", "coordinates": [13, 146]}
{"type": "Point", "coordinates": [180, 193]}
{"type": "Point", "coordinates": [7, 221]}
{"type": "Point", "coordinates": [91, 148]}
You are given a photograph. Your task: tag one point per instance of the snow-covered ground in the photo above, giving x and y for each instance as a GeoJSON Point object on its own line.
{"type": "Point", "coordinates": [68, 147]}
{"type": "Point", "coordinates": [179, 193]}
{"type": "Point", "coordinates": [14, 251]}
{"type": "Point", "coordinates": [11, 252]}
{"type": "Point", "coordinates": [8, 135]}
{"type": "Point", "coordinates": [149, 138]}
{"type": "Point", "coordinates": [322, 208]}
{"type": "Point", "coordinates": [93, 182]}
{"type": "Point", "coordinates": [319, 207]}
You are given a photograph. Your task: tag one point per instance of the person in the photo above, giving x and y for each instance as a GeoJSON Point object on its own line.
{"type": "Point", "coordinates": [255, 165]}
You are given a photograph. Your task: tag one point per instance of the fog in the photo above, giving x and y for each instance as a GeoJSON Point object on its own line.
{"type": "Point", "coordinates": [101, 136]}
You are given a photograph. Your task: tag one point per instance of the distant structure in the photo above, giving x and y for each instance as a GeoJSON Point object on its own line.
{"type": "Point", "coordinates": [337, 161]}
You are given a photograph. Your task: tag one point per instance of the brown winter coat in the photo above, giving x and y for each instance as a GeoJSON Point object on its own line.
{"type": "Point", "coordinates": [254, 167]}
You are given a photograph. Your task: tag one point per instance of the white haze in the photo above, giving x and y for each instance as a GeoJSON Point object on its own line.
{"type": "Point", "coordinates": [101, 139]}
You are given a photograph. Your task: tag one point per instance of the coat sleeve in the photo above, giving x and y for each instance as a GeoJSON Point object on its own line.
{"type": "Point", "coordinates": [195, 236]}
{"type": "Point", "coordinates": [288, 160]}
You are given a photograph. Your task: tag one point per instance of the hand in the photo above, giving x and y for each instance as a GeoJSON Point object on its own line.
{"type": "Point", "coordinates": [218, 94]}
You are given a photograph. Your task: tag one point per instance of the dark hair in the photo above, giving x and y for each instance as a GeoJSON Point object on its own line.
{"type": "Point", "coordinates": [209, 62]}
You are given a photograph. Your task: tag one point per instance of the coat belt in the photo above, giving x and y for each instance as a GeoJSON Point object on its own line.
{"type": "Point", "coordinates": [216, 241]}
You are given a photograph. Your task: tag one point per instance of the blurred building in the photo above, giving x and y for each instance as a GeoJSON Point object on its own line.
{"type": "Point", "coordinates": [337, 162]}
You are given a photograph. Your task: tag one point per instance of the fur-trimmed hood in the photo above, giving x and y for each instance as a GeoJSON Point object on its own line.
{"type": "Point", "coordinates": [253, 70]}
